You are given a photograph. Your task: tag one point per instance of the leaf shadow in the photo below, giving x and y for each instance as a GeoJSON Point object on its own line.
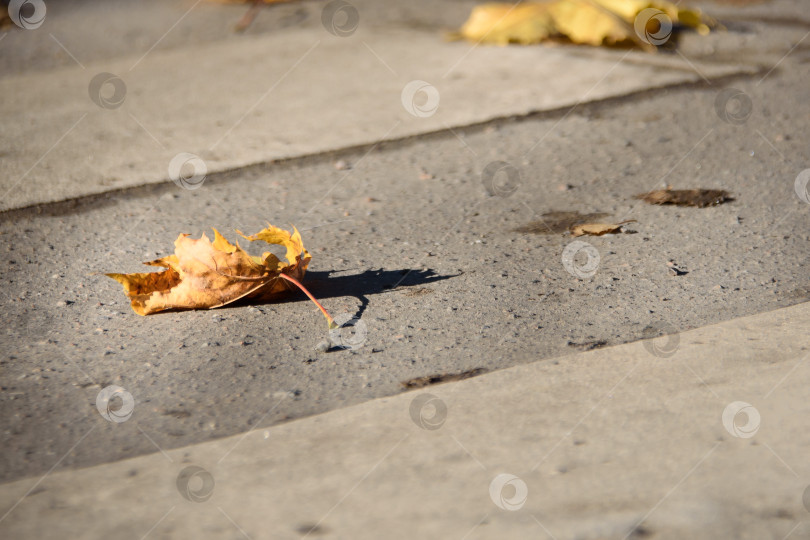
{"type": "Point", "coordinates": [326, 285]}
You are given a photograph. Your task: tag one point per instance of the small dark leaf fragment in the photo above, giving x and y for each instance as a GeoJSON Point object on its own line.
{"type": "Point", "coordinates": [420, 382]}
{"type": "Point", "coordinates": [701, 198]}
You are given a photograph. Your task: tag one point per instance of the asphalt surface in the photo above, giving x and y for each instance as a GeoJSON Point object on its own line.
{"type": "Point", "coordinates": [432, 266]}
{"type": "Point", "coordinates": [409, 239]}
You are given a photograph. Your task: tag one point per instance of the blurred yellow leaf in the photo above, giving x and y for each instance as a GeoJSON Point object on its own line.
{"type": "Point", "coordinates": [643, 23]}
{"type": "Point", "coordinates": [588, 23]}
{"type": "Point", "coordinates": [502, 24]}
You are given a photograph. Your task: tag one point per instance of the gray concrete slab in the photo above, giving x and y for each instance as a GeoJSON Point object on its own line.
{"type": "Point", "coordinates": [697, 435]}
{"type": "Point", "coordinates": [73, 131]}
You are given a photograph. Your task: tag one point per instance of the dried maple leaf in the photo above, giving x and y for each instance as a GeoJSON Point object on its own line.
{"type": "Point", "coordinates": [203, 274]}
{"type": "Point", "coordinates": [598, 229]}
{"type": "Point", "coordinates": [700, 198]}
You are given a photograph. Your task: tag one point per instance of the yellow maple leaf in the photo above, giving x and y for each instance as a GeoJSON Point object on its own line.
{"type": "Point", "coordinates": [203, 274]}
{"type": "Point", "coordinates": [501, 24]}
{"type": "Point", "coordinates": [644, 23]}
{"type": "Point", "coordinates": [589, 23]}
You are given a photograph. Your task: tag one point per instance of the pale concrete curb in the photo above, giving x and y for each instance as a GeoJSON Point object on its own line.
{"type": "Point", "coordinates": [283, 95]}
{"type": "Point", "coordinates": [609, 443]}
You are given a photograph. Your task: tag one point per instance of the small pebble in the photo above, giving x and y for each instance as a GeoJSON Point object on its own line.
{"type": "Point", "coordinates": [342, 165]}
{"type": "Point", "coordinates": [323, 346]}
